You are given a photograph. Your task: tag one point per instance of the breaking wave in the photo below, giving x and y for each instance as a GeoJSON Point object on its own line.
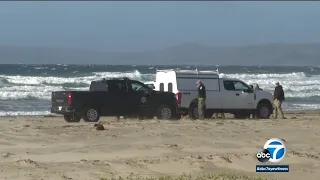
{"type": "Point", "coordinates": [35, 87]}
{"type": "Point", "coordinates": [296, 85]}
{"type": "Point", "coordinates": [39, 87]}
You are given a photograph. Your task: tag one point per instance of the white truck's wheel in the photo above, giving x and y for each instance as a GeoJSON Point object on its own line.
{"type": "Point", "coordinates": [263, 111]}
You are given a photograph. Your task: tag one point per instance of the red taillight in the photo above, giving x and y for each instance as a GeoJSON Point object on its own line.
{"type": "Point", "coordinates": [69, 98]}
{"type": "Point", "coordinates": [178, 96]}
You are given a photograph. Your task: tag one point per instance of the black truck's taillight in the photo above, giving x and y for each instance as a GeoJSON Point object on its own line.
{"type": "Point", "coordinates": [70, 98]}
{"type": "Point", "coordinates": [178, 96]}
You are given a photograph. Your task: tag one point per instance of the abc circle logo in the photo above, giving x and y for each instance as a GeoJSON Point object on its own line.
{"type": "Point", "coordinates": [274, 150]}
{"type": "Point", "coordinates": [263, 155]}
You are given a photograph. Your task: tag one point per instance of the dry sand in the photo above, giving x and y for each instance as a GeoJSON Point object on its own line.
{"type": "Point", "coordinates": [49, 148]}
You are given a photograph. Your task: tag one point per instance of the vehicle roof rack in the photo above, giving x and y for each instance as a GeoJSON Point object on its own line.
{"type": "Point", "coordinates": [114, 78]}
{"type": "Point", "coordinates": [189, 70]}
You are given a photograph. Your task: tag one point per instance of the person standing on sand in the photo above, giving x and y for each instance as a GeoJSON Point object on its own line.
{"type": "Point", "coordinates": [256, 88]}
{"type": "Point", "coordinates": [201, 99]}
{"type": "Point", "coordinates": [221, 115]}
{"type": "Point", "coordinates": [278, 97]}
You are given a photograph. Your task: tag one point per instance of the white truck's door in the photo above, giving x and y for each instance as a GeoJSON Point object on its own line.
{"type": "Point", "coordinates": [233, 96]}
{"type": "Point", "coordinates": [230, 97]}
{"type": "Point", "coordinates": [213, 100]}
{"type": "Point", "coordinates": [187, 87]}
{"type": "Point", "coordinates": [248, 100]}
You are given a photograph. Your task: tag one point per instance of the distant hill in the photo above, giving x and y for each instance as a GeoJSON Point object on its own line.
{"type": "Point", "coordinates": [270, 54]}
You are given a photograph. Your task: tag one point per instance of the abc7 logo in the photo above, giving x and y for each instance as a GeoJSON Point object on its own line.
{"type": "Point", "coordinates": [274, 151]}
{"type": "Point", "coordinates": [263, 155]}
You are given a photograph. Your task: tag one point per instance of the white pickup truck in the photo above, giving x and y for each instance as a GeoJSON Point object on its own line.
{"type": "Point", "coordinates": [223, 95]}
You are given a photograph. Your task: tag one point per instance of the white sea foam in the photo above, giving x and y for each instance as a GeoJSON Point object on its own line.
{"type": "Point", "coordinates": [24, 113]}
{"type": "Point", "coordinates": [293, 107]}
{"type": "Point", "coordinates": [38, 80]}
{"type": "Point", "coordinates": [38, 87]}
{"type": "Point", "coordinates": [296, 85]}
{"type": "Point", "coordinates": [287, 107]}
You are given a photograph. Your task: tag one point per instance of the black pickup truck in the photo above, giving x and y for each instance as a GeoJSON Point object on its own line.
{"type": "Point", "coordinates": [114, 97]}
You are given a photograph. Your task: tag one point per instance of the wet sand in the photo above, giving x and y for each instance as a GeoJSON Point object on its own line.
{"type": "Point", "coordinates": [49, 148]}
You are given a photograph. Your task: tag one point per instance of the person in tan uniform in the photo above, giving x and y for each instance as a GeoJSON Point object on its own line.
{"type": "Point", "coordinates": [278, 98]}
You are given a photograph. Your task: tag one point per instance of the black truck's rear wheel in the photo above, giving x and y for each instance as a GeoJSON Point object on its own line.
{"type": "Point", "coordinates": [72, 118]}
{"type": "Point", "coordinates": [165, 112]}
{"type": "Point", "coordinates": [91, 115]}
{"type": "Point", "coordinates": [193, 112]}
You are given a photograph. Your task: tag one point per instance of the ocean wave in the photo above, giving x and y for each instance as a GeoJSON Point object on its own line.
{"type": "Point", "coordinates": [26, 89]}
{"type": "Point", "coordinates": [33, 92]}
{"type": "Point", "coordinates": [265, 76]}
{"type": "Point", "coordinates": [20, 95]}
{"type": "Point", "coordinates": [24, 113]}
{"type": "Point", "coordinates": [38, 80]}
{"type": "Point", "coordinates": [296, 85]}
{"type": "Point", "coordinates": [293, 107]}
{"type": "Point", "coordinates": [37, 87]}
{"type": "Point", "coordinates": [46, 94]}
{"type": "Point", "coordinates": [286, 106]}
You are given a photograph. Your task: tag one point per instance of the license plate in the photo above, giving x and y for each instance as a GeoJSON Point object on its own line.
{"type": "Point", "coordinates": [60, 107]}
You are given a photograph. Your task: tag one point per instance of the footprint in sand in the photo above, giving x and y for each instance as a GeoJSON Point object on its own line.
{"type": "Point", "coordinates": [7, 154]}
{"type": "Point", "coordinates": [26, 162]}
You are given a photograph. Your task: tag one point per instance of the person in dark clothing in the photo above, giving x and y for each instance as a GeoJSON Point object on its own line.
{"type": "Point", "coordinates": [254, 113]}
{"type": "Point", "coordinates": [201, 99]}
{"type": "Point", "coordinates": [278, 97]}
{"type": "Point", "coordinates": [257, 87]}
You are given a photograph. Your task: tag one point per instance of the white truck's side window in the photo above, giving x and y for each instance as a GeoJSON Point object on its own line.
{"type": "Point", "coordinates": [234, 86]}
{"type": "Point", "coordinates": [240, 86]}
{"type": "Point", "coordinates": [190, 84]}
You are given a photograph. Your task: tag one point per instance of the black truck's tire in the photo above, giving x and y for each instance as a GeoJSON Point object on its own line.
{"type": "Point", "coordinates": [208, 114]}
{"type": "Point", "coordinates": [193, 111]}
{"type": "Point", "coordinates": [72, 118]}
{"type": "Point", "coordinates": [165, 112]}
{"type": "Point", "coordinates": [91, 114]}
{"type": "Point", "coordinates": [194, 114]}
{"type": "Point", "coordinates": [263, 111]}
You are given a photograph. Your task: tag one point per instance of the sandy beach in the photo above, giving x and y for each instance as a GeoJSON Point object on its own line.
{"type": "Point", "coordinates": [49, 148]}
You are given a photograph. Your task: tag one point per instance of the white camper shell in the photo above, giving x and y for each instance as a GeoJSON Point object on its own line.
{"type": "Point", "coordinates": [223, 95]}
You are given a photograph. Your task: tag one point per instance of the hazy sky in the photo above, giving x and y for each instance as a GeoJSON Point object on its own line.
{"type": "Point", "coordinates": [141, 26]}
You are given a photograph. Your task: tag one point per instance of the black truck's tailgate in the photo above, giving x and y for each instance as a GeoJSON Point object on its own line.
{"type": "Point", "coordinates": [61, 98]}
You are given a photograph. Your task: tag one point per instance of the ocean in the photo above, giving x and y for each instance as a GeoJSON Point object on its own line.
{"type": "Point", "coordinates": [26, 89]}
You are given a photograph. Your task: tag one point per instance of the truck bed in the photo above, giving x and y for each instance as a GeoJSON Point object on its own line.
{"type": "Point", "coordinates": [72, 101]}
